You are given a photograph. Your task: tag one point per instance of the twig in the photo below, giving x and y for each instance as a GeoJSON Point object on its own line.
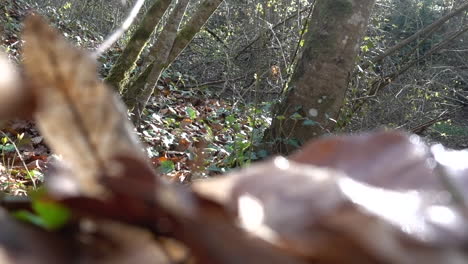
{"type": "Point", "coordinates": [382, 82]}
{"type": "Point", "coordinates": [275, 26]}
{"type": "Point", "coordinates": [120, 31]}
{"type": "Point", "coordinates": [21, 158]}
{"type": "Point", "coordinates": [213, 82]}
{"type": "Point", "coordinates": [213, 34]}
{"type": "Point", "coordinates": [444, 115]}
{"type": "Point", "coordinates": [298, 44]}
{"type": "Point", "coordinates": [427, 30]}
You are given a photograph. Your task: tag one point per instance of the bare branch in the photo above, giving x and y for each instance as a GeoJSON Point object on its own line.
{"type": "Point", "coordinates": [431, 28]}
{"type": "Point", "coordinates": [120, 31]}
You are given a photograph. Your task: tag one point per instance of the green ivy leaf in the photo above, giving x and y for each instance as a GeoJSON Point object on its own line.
{"type": "Point", "coordinates": [7, 148]}
{"type": "Point", "coordinates": [296, 116]}
{"type": "Point", "coordinates": [262, 153]}
{"type": "Point", "coordinates": [309, 122]}
{"type": "Point", "coordinates": [167, 166]}
{"type": "Point", "coordinates": [48, 215]}
{"type": "Point", "coordinates": [216, 168]}
{"type": "Point", "coordinates": [293, 142]}
{"type": "Point", "coordinates": [253, 156]}
{"type": "Point", "coordinates": [192, 113]}
{"type": "Point", "coordinates": [35, 174]}
{"type": "Point", "coordinates": [28, 217]}
{"type": "Point", "coordinates": [231, 119]}
{"type": "Point", "coordinates": [53, 215]}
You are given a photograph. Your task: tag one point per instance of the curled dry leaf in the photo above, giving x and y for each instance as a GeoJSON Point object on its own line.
{"type": "Point", "coordinates": [98, 242]}
{"type": "Point", "coordinates": [84, 121]}
{"type": "Point", "coordinates": [201, 225]}
{"type": "Point", "coordinates": [391, 160]}
{"type": "Point", "coordinates": [79, 117]}
{"type": "Point", "coordinates": [371, 198]}
{"type": "Point", "coordinates": [108, 242]}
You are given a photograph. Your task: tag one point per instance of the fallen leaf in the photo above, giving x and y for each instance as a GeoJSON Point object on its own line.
{"type": "Point", "coordinates": [369, 198]}
{"type": "Point", "coordinates": [79, 117]}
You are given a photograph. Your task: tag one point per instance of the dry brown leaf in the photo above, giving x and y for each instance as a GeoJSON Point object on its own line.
{"type": "Point", "coordinates": [97, 242]}
{"type": "Point", "coordinates": [201, 225]}
{"type": "Point", "coordinates": [375, 198]}
{"type": "Point", "coordinates": [393, 160]}
{"type": "Point", "coordinates": [79, 117]}
{"type": "Point", "coordinates": [109, 242]}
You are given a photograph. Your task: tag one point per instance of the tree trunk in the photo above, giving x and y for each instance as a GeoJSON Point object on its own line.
{"type": "Point", "coordinates": [140, 91]}
{"type": "Point", "coordinates": [126, 61]}
{"type": "Point", "coordinates": [317, 88]}
{"type": "Point", "coordinates": [186, 34]}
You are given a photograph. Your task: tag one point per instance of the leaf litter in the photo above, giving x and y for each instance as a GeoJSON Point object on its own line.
{"type": "Point", "coordinates": [190, 130]}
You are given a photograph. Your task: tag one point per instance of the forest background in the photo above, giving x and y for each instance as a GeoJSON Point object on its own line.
{"type": "Point", "coordinates": [215, 94]}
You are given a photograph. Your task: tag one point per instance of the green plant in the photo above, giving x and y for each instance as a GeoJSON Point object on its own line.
{"type": "Point", "coordinates": [446, 128]}
{"type": "Point", "coordinates": [9, 146]}
{"type": "Point", "coordinates": [46, 214]}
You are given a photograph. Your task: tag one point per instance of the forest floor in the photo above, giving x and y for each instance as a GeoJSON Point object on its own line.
{"type": "Point", "coordinates": [188, 134]}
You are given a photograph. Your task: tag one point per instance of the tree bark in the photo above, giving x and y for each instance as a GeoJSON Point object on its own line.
{"type": "Point", "coordinates": [186, 34]}
{"type": "Point", "coordinates": [318, 85]}
{"type": "Point", "coordinates": [144, 85]}
{"type": "Point", "coordinates": [126, 61]}
{"type": "Point", "coordinates": [138, 94]}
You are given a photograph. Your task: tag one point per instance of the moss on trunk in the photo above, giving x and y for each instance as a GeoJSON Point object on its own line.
{"type": "Point", "coordinates": [172, 43]}
{"type": "Point", "coordinates": [125, 64]}
{"type": "Point", "coordinates": [316, 91]}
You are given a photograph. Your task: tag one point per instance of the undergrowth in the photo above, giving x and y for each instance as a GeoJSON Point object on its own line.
{"type": "Point", "coordinates": [188, 133]}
